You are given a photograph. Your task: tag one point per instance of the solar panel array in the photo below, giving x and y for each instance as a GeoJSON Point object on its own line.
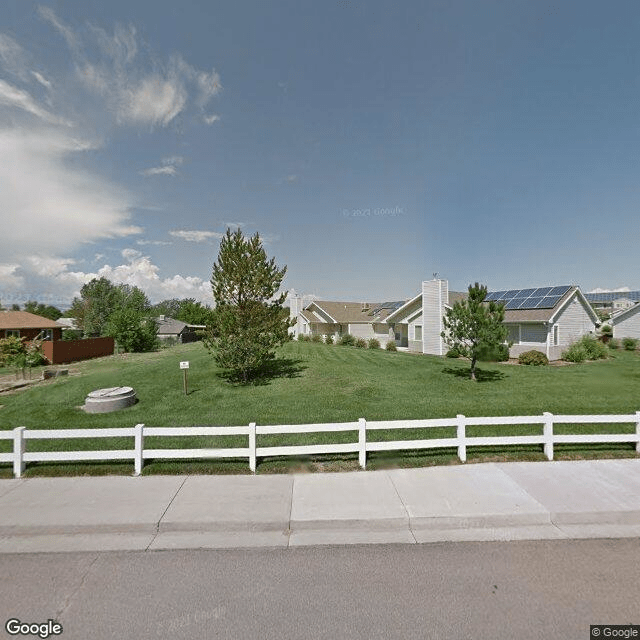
{"type": "Point", "coordinates": [540, 298]}
{"type": "Point", "coordinates": [610, 296]}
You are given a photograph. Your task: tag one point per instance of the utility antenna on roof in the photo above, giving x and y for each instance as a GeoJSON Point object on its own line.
{"type": "Point", "coordinates": [435, 275]}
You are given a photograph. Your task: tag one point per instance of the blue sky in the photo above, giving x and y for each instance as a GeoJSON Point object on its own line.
{"type": "Point", "coordinates": [370, 144]}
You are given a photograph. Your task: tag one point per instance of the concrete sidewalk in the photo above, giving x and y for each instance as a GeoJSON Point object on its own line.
{"type": "Point", "coordinates": [507, 501]}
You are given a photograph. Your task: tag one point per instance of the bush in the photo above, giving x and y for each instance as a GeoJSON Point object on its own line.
{"type": "Point", "coordinates": [613, 344]}
{"type": "Point", "coordinates": [498, 354]}
{"type": "Point", "coordinates": [533, 357]}
{"type": "Point", "coordinates": [71, 334]}
{"type": "Point", "coordinates": [11, 350]}
{"type": "Point", "coordinates": [347, 340]}
{"type": "Point", "coordinates": [629, 344]}
{"type": "Point", "coordinates": [575, 353]}
{"type": "Point", "coordinates": [595, 349]}
{"type": "Point", "coordinates": [302, 337]}
{"type": "Point", "coordinates": [361, 343]}
{"type": "Point", "coordinates": [606, 330]}
{"type": "Point", "coordinates": [328, 339]}
{"type": "Point", "coordinates": [453, 353]}
{"type": "Point", "coordinates": [316, 337]}
{"type": "Point", "coordinates": [391, 346]}
{"type": "Point", "coordinates": [373, 343]}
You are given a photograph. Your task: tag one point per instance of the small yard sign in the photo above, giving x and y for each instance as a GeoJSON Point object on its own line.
{"type": "Point", "coordinates": [185, 365]}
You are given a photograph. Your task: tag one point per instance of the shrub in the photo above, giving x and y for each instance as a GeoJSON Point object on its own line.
{"type": "Point", "coordinates": [71, 334]}
{"type": "Point", "coordinates": [533, 357]}
{"type": "Point", "coordinates": [629, 344]}
{"type": "Point", "coordinates": [606, 330]}
{"type": "Point", "coordinates": [373, 343]}
{"type": "Point", "coordinates": [453, 353]}
{"type": "Point", "coordinates": [575, 353]}
{"type": "Point", "coordinates": [613, 344]}
{"type": "Point", "coordinates": [347, 340]}
{"type": "Point", "coordinates": [391, 346]}
{"type": "Point", "coordinates": [498, 354]}
{"type": "Point", "coordinates": [316, 337]}
{"type": "Point", "coordinates": [595, 349]}
{"type": "Point", "coordinates": [11, 350]}
{"type": "Point", "coordinates": [302, 337]}
{"type": "Point", "coordinates": [361, 343]}
{"type": "Point", "coordinates": [328, 339]}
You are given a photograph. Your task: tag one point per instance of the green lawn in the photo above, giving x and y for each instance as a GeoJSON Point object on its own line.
{"type": "Point", "coordinates": [320, 383]}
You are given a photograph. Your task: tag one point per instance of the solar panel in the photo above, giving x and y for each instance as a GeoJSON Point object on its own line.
{"type": "Point", "coordinates": [525, 293]}
{"type": "Point", "coordinates": [491, 296]}
{"type": "Point", "coordinates": [514, 303]}
{"type": "Point", "coordinates": [559, 291]}
{"type": "Point", "coordinates": [544, 291]}
{"type": "Point", "coordinates": [549, 302]}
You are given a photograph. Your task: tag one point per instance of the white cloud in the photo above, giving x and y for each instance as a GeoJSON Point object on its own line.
{"type": "Point", "coordinates": [11, 96]}
{"type": "Point", "coordinates": [166, 168]}
{"type": "Point", "coordinates": [137, 89]}
{"type": "Point", "coordinates": [210, 119]}
{"type": "Point", "coordinates": [54, 206]}
{"type": "Point", "coordinates": [619, 290]}
{"type": "Point", "coordinates": [158, 243]}
{"type": "Point", "coordinates": [12, 57]}
{"type": "Point", "coordinates": [48, 279]}
{"type": "Point", "coordinates": [41, 79]}
{"type": "Point", "coordinates": [196, 236]}
{"type": "Point", "coordinates": [291, 178]}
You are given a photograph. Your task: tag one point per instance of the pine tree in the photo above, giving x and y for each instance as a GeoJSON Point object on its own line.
{"type": "Point", "coordinates": [247, 323]}
{"type": "Point", "coordinates": [473, 325]}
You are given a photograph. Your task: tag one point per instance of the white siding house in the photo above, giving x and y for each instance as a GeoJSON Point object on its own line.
{"type": "Point", "coordinates": [626, 324]}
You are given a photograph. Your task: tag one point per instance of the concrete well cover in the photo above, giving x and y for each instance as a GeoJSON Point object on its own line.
{"type": "Point", "coordinates": [111, 399]}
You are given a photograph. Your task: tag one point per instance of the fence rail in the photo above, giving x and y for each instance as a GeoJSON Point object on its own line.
{"type": "Point", "coordinates": [20, 455]}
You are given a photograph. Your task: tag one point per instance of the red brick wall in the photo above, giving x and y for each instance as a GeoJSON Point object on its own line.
{"type": "Point", "coordinates": [61, 351]}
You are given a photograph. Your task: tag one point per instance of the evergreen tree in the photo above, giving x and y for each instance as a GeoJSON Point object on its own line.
{"type": "Point", "coordinates": [247, 323]}
{"type": "Point", "coordinates": [472, 326]}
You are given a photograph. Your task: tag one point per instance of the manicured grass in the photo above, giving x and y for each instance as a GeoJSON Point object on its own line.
{"type": "Point", "coordinates": [321, 383]}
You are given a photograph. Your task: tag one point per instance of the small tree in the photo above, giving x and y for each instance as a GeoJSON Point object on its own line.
{"type": "Point", "coordinates": [248, 323]}
{"type": "Point", "coordinates": [132, 329]}
{"type": "Point", "coordinates": [473, 325]}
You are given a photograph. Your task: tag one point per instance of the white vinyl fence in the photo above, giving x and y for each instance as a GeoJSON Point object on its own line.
{"type": "Point", "coordinates": [20, 455]}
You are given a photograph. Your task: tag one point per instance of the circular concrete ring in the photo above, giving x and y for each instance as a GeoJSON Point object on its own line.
{"type": "Point", "coordinates": [111, 399]}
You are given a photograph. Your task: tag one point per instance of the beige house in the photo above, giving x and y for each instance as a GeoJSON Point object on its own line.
{"type": "Point", "coordinates": [360, 319]}
{"type": "Point", "coordinates": [626, 324]}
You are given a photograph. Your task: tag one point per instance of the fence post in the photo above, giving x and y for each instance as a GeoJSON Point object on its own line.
{"type": "Point", "coordinates": [252, 446]}
{"type": "Point", "coordinates": [138, 456]}
{"type": "Point", "coordinates": [638, 431]}
{"type": "Point", "coordinates": [548, 435]}
{"type": "Point", "coordinates": [362, 442]}
{"type": "Point", "coordinates": [18, 451]}
{"type": "Point", "coordinates": [462, 438]}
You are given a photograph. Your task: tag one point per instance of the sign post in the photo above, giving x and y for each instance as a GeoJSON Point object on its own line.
{"type": "Point", "coordinates": [185, 366]}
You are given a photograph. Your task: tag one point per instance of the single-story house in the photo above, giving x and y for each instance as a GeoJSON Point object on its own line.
{"type": "Point", "coordinates": [170, 328]}
{"type": "Point", "coordinates": [612, 301]}
{"type": "Point", "coordinates": [22, 324]}
{"type": "Point", "coordinates": [335, 318]}
{"type": "Point", "coordinates": [626, 324]}
{"type": "Point", "coordinates": [547, 319]}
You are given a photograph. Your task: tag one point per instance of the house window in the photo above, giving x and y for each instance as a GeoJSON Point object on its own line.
{"type": "Point", "coordinates": [47, 334]}
{"type": "Point", "coordinates": [418, 332]}
{"type": "Point", "coordinates": [12, 333]}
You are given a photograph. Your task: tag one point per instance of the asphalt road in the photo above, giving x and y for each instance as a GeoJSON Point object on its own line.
{"type": "Point", "coordinates": [514, 590]}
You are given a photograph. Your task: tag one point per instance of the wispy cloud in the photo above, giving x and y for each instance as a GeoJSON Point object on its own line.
{"type": "Point", "coordinates": [159, 243]}
{"type": "Point", "coordinates": [138, 89]}
{"type": "Point", "coordinates": [168, 167]}
{"type": "Point", "coordinates": [196, 236]}
{"type": "Point", "coordinates": [210, 119]}
{"type": "Point", "coordinates": [291, 178]}
{"type": "Point", "coordinates": [40, 186]}
{"type": "Point", "coordinates": [11, 96]}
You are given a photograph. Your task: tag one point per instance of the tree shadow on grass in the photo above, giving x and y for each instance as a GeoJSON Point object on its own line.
{"type": "Point", "coordinates": [482, 375]}
{"type": "Point", "coordinates": [277, 368]}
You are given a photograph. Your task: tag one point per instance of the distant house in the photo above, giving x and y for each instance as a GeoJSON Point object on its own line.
{"type": "Point", "coordinates": [335, 318]}
{"type": "Point", "coordinates": [547, 319]}
{"type": "Point", "coordinates": [28, 325]}
{"type": "Point", "coordinates": [170, 328]}
{"type": "Point", "coordinates": [626, 323]}
{"type": "Point", "coordinates": [612, 301]}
